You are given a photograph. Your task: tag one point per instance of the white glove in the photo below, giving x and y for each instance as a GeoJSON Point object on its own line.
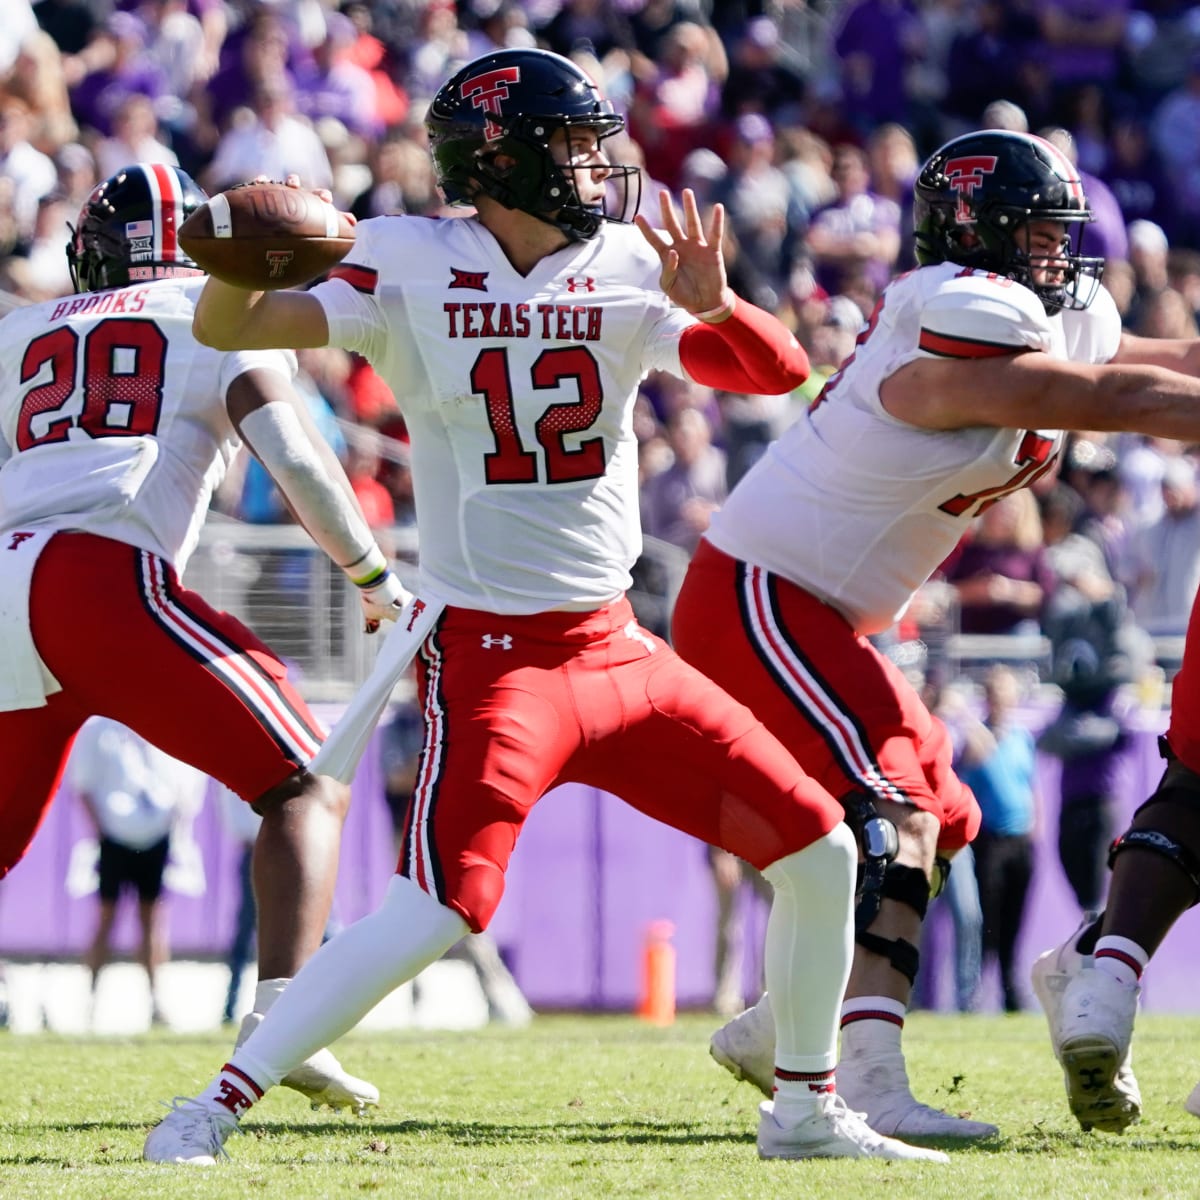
{"type": "Point", "coordinates": [383, 601]}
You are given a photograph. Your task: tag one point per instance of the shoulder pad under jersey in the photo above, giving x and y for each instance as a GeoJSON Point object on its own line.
{"type": "Point", "coordinates": [979, 316]}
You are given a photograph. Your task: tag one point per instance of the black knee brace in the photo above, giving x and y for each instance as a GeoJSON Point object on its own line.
{"type": "Point", "coordinates": [1163, 843]}
{"type": "Point", "coordinates": [882, 879]}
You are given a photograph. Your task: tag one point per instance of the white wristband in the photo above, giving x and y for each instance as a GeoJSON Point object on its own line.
{"type": "Point", "coordinates": [723, 311]}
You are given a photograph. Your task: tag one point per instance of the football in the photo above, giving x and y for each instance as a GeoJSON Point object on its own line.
{"type": "Point", "coordinates": [265, 236]}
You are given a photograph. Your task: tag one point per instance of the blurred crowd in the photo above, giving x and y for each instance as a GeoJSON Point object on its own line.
{"type": "Point", "coordinates": [807, 120]}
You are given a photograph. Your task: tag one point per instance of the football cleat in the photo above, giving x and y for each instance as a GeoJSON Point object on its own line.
{"type": "Point", "coordinates": [877, 1084]}
{"type": "Point", "coordinates": [745, 1047]}
{"type": "Point", "coordinates": [1050, 975]}
{"type": "Point", "coordinates": [1192, 1103]}
{"type": "Point", "coordinates": [190, 1133]}
{"type": "Point", "coordinates": [833, 1131]}
{"type": "Point", "coordinates": [1095, 1029]}
{"type": "Point", "coordinates": [321, 1077]}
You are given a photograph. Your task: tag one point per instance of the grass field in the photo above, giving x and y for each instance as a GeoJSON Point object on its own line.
{"type": "Point", "coordinates": [579, 1107]}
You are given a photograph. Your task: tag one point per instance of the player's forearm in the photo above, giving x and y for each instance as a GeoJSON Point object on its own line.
{"type": "Point", "coordinates": [316, 489]}
{"type": "Point", "coordinates": [231, 318]}
{"type": "Point", "coordinates": [748, 351]}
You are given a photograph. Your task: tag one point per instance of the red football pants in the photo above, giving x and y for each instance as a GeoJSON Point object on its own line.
{"type": "Point", "coordinates": [843, 709]}
{"type": "Point", "coordinates": [514, 706]}
{"type": "Point", "coordinates": [126, 641]}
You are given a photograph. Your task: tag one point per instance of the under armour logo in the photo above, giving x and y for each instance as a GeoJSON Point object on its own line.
{"type": "Point", "coordinates": [17, 539]}
{"type": "Point", "coordinates": [233, 1098]}
{"type": "Point", "coordinates": [417, 609]}
{"type": "Point", "coordinates": [635, 633]}
{"type": "Point", "coordinates": [278, 261]}
{"type": "Point", "coordinates": [475, 281]}
{"type": "Point", "coordinates": [964, 175]}
{"type": "Point", "coordinates": [581, 283]}
{"type": "Point", "coordinates": [486, 91]}
{"type": "Point", "coordinates": [504, 641]}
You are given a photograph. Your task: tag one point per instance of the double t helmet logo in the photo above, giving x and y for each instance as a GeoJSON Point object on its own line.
{"type": "Point", "coordinates": [964, 176]}
{"type": "Point", "coordinates": [486, 91]}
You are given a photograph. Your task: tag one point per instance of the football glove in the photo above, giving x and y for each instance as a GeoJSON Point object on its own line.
{"type": "Point", "coordinates": [382, 600]}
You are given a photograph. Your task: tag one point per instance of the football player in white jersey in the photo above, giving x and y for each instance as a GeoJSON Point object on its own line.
{"type": "Point", "coordinates": [115, 427]}
{"type": "Point", "coordinates": [515, 341]}
{"type": "Point", "coordinates": [957, 392]}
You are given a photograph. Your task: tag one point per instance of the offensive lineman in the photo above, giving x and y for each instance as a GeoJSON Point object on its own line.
{"type": "Point", "coordinates": [515, 342]}
{"type": "Point", "coordinates": [958, 390]}
{"type": "Point", "coordinates": [115, 427]}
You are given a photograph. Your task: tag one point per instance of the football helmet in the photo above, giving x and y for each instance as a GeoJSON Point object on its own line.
{"type": "Point", "coordinates": [508, 104]}
{"type": "Point", "coordinates": [972, 196]}
{"type": "Point", "coordinates": [127, 226]}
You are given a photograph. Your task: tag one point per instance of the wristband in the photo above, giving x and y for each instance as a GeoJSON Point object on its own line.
{"type": "Point", "coordinates": [368, 570]}
{"type": "Point", "coordinates": [723, 311]}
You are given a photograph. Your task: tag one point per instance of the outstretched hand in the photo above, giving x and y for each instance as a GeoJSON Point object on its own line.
{"type": "Point", "coordinates": [693, 265]}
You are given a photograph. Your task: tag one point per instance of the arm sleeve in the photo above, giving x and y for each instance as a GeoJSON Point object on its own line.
{"type": "Point", "coordinates": [751, 352]}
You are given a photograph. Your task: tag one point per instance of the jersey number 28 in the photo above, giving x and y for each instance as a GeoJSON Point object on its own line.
{"type": "Point", "coordinates": [121, 379]}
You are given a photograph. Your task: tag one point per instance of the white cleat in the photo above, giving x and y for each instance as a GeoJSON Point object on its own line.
{"type": "Point", "coordinates": [833, 1131]}
{"type": "Point", "coordinates": [877, 1085]}
{"type": "Point", "coordinates": [321, 1077]}
{"type": "Point", "coordinates": [1050, 975]}
{"type": "Point", "coordinates": [1192, 1103]}
{"type": "Point", "coordinates": [745, 1047]}
{"type": "Point", "coordinates": [1095, 1028]}
{"type": "Point", "coordinates": [190, 1133]}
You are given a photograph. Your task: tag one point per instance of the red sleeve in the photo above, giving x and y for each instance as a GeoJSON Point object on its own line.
{"type": "Point", "coordinates": [751, 352]}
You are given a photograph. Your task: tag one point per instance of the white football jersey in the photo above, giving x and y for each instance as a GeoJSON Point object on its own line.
{"type": "Point", "coordinates": [113, 416]}
{"type": "Point", "coordinates": [859, 508]}
{"type": "Point", "coordinates": [518, 395]}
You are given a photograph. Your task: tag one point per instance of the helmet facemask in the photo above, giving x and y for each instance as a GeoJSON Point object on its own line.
{"type": "Point", "coordinates": [538, 185]}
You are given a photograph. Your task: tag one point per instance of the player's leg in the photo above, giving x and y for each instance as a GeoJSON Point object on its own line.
{"type": "Point", "coordinates": [856, 725]}
{"type": "Point", "coordinates": [692, 757]}
{"type": "Point", "coordinates": [199, 685]}
{"type": "Point", "coordinates": [476, 782]}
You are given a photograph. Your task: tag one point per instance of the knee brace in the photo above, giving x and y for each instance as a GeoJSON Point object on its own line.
{"type": "Point", "coordinates": [883, 879]}
{"type": "Point", "coordinates": [1184, 857]}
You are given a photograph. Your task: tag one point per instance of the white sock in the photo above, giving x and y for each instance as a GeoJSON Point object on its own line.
{"type": "Point", "coordinates": [871, 1025]}
{"type": "Point", "coordinates": [1121, 958]}
{"type": "Point", "coordinates": [267, 992]}
{"type": "Point", "coordinates": [809, 945]}
{"type": "Point", "coordinates": [347, 977]}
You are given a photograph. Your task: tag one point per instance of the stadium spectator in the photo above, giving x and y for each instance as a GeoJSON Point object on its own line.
{"type": "Point", "coordinates": [678, 502]}
{"type": "Point", "coordinates": [762, 79]}
{"type": "Point", "coordinates": [998, 766]}
{"type": "Point", "coordinates": [1001, 570]}
{"type": "Point", "coordinates": [270, 140]}
{"type": "Point", "coordinates": [1167, 553]}
{"type": "Point", "coordinates": [858, 232]}
{"type": "Point", "coordinates": [31, 174]}
{"type": "Point", "coordinates": [541, 571]}
{"type": "Point", "coordinates": [135, 795]}
{"type": "Point", "coordinates": [99, 95]}
{"type": "Point", "coordinates": [331, 84]}
{"type": "Point", "coordinates": [134, 138]}
{"type": "Point", "coordinates": [1136, 177]}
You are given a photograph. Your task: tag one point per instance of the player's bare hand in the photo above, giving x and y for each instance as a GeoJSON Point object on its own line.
{"type": "Point", "coordinates": [693, 264]}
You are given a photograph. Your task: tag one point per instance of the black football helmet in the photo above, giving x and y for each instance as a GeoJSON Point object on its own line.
{"type": "Point", "coordinates": [510, 103]}
{"type": "Point", "coordinates": [127, 227]}
{"type": "Point", "coordinates": [974, 193]}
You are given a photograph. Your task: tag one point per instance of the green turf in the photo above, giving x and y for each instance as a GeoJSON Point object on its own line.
{"type": "Point", "coordinates": [580, 1107]}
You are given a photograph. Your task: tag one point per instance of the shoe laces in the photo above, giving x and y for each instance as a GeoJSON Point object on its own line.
{"type": "Point", "coordinates": [202, 1128]}
{"type": "Point", "coordinates": [846, 1122]}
